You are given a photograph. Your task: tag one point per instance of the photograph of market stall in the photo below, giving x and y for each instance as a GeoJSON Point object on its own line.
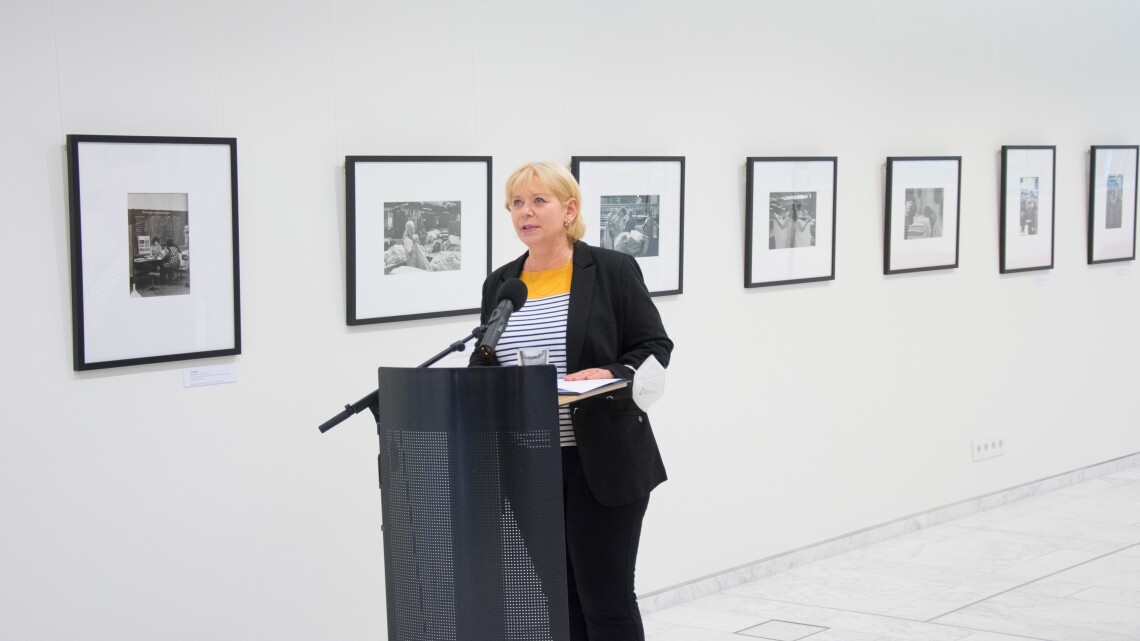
{"type": "Point", "coordinates": [422, 236]}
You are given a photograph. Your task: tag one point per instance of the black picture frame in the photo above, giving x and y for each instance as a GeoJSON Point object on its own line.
{"type": "Point", "coordinates": [1026, 243]}
{"type": "Point", "coordinates": [795, 253]}
{"type": "Point", "coordinates": [162, 187]}
{"type": "Point", "coordinates": [646, 188]}
{"type": "Point", "coordinates": [922, 240]}
{"type": "Point", "coordinates": [1112, 203]}
{"type": "Point", "coordinates": [398, 273]}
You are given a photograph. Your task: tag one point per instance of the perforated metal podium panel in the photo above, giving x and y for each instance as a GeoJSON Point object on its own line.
{"type": "Point", "coordinates": [471, 481]}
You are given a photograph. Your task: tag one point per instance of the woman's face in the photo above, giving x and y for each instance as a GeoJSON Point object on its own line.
{"type": "Point", "coordinates": [538, 217]}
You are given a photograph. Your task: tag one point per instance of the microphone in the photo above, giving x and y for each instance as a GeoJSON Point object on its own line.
{"type": "Point", "coordinates": [511, 296]}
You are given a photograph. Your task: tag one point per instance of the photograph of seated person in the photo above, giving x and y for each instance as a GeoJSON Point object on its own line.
{"type": "Point", "coordinates": [172, 262]}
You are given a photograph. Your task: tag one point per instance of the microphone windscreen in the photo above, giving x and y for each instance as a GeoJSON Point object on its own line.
{"type": "Point", "coordinates": [513, 290]}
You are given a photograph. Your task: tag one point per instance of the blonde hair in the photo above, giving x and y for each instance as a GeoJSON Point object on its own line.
{"type": "Point", "coordinates": [558, 179]}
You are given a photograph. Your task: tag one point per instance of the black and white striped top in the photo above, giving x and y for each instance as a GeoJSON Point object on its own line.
{"type": "Point", "coordinates": [540, 322]}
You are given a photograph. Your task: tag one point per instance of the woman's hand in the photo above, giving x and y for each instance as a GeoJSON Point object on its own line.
{"type": "Point", "coordinates": [589, 374]}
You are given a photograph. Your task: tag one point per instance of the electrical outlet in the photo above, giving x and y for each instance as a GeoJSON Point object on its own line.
{"type": "Point", "coordinates": [985, 448]}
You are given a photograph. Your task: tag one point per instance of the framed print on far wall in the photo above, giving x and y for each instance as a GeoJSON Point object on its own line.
{"type": "Point", "coordinates": [922, 211]}
{"type": "Point", "coordinates": [636, 205]}
{"type": "Point", "coordinates": [1112, 203]}
{"type": "Point", "coordinates": [1028, 174]}
{"type": "Point", "coordinates": [137, 298]}
{"type": "Point", "coordinates": [418, 236]}
{"type": "Point", "coordinates": [790, 222]}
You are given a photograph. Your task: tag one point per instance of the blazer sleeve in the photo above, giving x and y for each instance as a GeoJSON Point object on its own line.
{"type": "Point", "coordinates": [641, 333]}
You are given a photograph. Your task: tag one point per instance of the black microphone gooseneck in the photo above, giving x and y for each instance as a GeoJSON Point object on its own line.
{"type": "Point", "coordinates": [511, 296]}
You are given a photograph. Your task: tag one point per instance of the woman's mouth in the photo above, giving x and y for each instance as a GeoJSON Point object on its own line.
{"type": "Point", "coordinates": [528, 227]}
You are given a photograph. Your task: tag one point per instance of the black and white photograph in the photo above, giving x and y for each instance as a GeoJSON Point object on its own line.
{"type": "Point", "coordinates": [790, 220]}
{"type": "Point", "coordinates": [134, 300]}
{"type": "Point", "coordinates": [418, 236]}
{"type": "Point", "coordinates": [922, 213]}
{"type": "Point", "coordinates": [1030, 195]}
{"type": "Point", "coordinates": [422, 237]}
{"type": "Point", "coordinates": [159, 238]}
{"type": "Point", "coordinates": [636, 205]}
{"type": "Point", "coordinates": [1112, 203]}
{"type": "Point", "coordinates": [1026, 226]}
{"type": "Point", "coordinates": [631, 224]}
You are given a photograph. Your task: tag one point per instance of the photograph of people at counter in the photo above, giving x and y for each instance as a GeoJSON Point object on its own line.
{"type": "Point", "coordinates": [159, 236]}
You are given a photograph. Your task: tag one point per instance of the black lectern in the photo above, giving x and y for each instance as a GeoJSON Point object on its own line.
{"type": "Point", "coordinates": [470, 473]}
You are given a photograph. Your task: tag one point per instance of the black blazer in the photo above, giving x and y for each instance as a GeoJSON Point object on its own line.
{"type": "Point", "coordinates": [612, 323]}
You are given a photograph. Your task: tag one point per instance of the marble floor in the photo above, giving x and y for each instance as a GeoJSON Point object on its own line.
{"type": "Point", "coordinates": [1062, 566]}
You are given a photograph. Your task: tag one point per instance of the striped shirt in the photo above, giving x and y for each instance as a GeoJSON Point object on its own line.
{"type": "Point", "coordinates": [541, 323]}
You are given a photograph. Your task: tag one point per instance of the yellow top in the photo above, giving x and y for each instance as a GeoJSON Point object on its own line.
{"type": "Point", "coordinates": [548, 282]}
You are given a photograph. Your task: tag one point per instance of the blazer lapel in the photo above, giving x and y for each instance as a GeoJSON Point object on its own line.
{"type": "Point", "coordinates": [581, 298]}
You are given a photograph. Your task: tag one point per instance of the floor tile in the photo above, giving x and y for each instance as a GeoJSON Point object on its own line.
{"type": "Point", "coordinates": [1130, 551]}
{"type": "Point", "coordinates": [954, 529]}
{"type": "Point", "coordinates": [781, 631]}
{"type": "Point", "coordinates": [1111, 596]}
{"type": "Point", "coordinates": [653, 626]}
{"type": "Point", "coordinates": [944, 602]}
{"type": "Point", "coordinates": [844, 635]}
{"type": "Point", "coordinates": [1049, 564]}
{"type": "Point", "coordinates": [1053, 588]}
{"type": "Point", "coordinates": [689, 616]}
{"type": "Point", "coordinates": [682, 633]}
{"type": "Point", "coordinates": [840, 589]}
{"type": "Point", "coordinates": [882, 626]}
{"type": "Point", "coordinates": [1113, 571]}
{"type": "Point", "coordinates": [959, 553]}
{"type": "Point", "coordinates": [1096, 508]}
{"type": "Point", "coordinates": [1092, 530]}
{"type": "Point", "coordinates": [1049, 618]}
{"type": "Point", "coordinates": [1105, 487]}
{"type": "Point", "coordinates": [994, 636]}
{"type": "Point", "coordinates": [977, 577]}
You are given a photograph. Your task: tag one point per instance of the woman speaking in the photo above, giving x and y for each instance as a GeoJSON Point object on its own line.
{"type": "Point", "coordinates": [590, 310]}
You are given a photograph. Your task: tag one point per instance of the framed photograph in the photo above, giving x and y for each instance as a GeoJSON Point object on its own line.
{"type": "Point", "coordinates": [1112, 203]}
{"type": "Point", "coordinates": [419, 236]}
{"type": "Point", "coordinates": [139, 298]}
{"type": "Point", "coordinates": [636, 205]}
{"type": "Point", "coordinates": [1027, 208]}
{"type": "Point", "coordinates": [922, 203]}
{"type": "Point", "coordinates": [790, 224]}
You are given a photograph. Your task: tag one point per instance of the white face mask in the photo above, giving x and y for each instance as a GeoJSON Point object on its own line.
{"type": "Point", "coordinates": [648, 383]}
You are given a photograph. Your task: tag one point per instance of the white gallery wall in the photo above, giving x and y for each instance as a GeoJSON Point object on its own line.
{"type": "Point", "coordinates": [134, 508]}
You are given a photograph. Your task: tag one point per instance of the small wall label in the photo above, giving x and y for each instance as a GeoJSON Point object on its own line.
{"type": "Point", "coordinates": [213, 375]}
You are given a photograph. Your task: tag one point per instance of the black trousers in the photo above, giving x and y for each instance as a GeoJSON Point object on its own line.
{"type": "Point", "coordinates": [601, 552]}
